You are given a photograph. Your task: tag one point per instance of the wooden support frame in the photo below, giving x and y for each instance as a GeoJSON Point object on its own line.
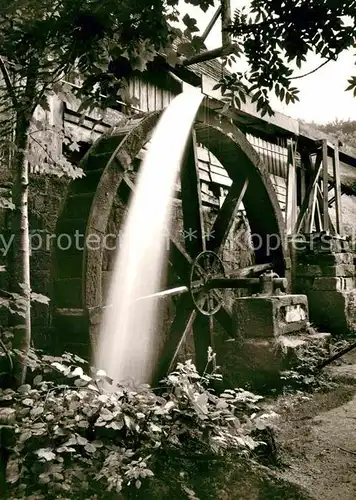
{"type": "Point", "coordinates": [307, 210]}
{"type": "Point", "coordinates": [314, 214]}
{"type": "Point", "coordinates": [311, 210]}
{"type": "Point", "coordinates": [337, 179]}
{"type": "Point", "coordinates": [108, 164]}
{"type": "Point", "coordinates": [318, 216]}
{"type": "Point", "coordinates": [320, 201]}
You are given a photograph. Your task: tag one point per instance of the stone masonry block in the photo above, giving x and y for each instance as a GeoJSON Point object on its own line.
{"type": "Point", "coordinates": [345, 270]}
{"type": "Point", "coordinates": [328, 259]}
{"type": "Point", "coordinates": [322, 244]}
{"type": "Point", "coordinates": [256, 362]}
{"type": "Point", "coordinates": [335, 311]}
{"type": "Point", "coordinates": [337, 284]}
{"type": "Point", "coordinates": [268, 317]}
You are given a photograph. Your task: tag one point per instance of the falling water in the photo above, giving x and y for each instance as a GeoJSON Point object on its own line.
{"type": "Point", "coordinates": [128, 339]}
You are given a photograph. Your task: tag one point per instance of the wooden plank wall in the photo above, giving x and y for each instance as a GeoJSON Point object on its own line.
{"type": "Point", "coordinates": [150, 96]}
{"type": "Point", "coordinates": [275, 158]}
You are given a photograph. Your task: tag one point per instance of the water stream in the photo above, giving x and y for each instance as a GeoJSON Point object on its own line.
{"type": "Point", "coordinates": [128, 340]}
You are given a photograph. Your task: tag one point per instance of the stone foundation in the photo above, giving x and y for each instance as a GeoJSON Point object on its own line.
{"type": "Point", "coordinates": [334, 311]}
{"type": "Point", "coordinates": [326, 272]}
{"type": "Point", "coordinates": [268, 331]}
{"type": "Point", "coordinates": [268, 317]}
{"type": "Point", "coordinates": [257, 363]}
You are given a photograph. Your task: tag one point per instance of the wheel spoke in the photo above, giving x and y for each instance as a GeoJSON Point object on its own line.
{"type": "Point", "coordinates": [226, 215]}
{"type": "Point", "coordinates": [193, 222]}
{"type": "Point", "coordinates": [179, 260]}
{"type": "Point", "coordinates": [182, 324]}
{"type": "Point", "coordinates": [226, 321]}
{"type": "Point", "coordinates": [218, 295]}
{"type": "Point", "coordinates": [202, 340]}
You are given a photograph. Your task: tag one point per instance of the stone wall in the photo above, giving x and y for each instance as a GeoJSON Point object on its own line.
{"type": "Point", "coordinates": [325, 271]}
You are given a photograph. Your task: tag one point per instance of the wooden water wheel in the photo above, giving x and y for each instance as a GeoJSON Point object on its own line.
{"type": "Point", "coordinates": [78, 295]}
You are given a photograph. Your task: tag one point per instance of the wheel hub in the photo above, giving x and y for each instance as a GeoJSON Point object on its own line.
{"type": "Point", "coordinates": [206, 266]}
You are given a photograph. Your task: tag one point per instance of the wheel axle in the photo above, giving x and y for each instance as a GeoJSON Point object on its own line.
{"type": "Point", "coordinates": [208, 276]}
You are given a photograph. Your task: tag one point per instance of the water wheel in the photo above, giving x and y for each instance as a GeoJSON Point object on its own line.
{"type": "Point", "coordinates": [78, 297]}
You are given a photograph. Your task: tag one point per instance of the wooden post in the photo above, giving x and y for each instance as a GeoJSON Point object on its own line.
{"type": "Point", "coordinates": [337, 180]}
{"type": "Point", "coordinates": [209, 55]}
{"type": "Point", "coordinates": [325, 186]}
{"type": "Point", "coordinates": [291, 203]}
{"type": "Point", "coordinates": [320, 201]}
{"type": "Point", "coordinates": [302, 184]}
{"type": "Point", "coordinates": [312, 208]}
{"type": "Point", "coordinates": [225, 22]}
{"type": "Point", "coordinates": [319, 207]}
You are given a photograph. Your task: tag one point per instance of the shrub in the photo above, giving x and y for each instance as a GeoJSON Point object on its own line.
{"type": "Point", "coordinates": [73, 435]}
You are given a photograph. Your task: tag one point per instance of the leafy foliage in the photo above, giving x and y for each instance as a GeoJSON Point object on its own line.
{"type": "Point", "coordinates": [16, 303]}
{"type": "Point", "coordinates": [304, 372]}
{"type": "Point", "coordinates": [105, 43]}
{"type": "Point", "coordinates": [102, 42]}
{"type": "Point", "coordinates": [274, 36]}
{"type": "Point", "coordinates": [75, 436]}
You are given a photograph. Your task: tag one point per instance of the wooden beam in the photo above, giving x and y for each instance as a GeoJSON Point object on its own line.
{"type": "Point", "coordinates": [321, 208]}
{"type": "Point", "coordinates": [225, 319]}
{"type": "Point", "coordinates": [209, 55]}
{"type": "Point", "coordinates": [179, 259]}
{"type": "Point", "coordinates": [311, 211]}
{"type": "Point", "coordinates": [291, 202]}
{"type": "Point", "coordinates": [248, 271]}
{"type": "Point", "coordinates": [302, 184]}
{"type": "Point", "coordinates": [337, 179]}
{"type": "Point", "coordinates": [318, 220]}
{"type": "Point", "coordinates": [227, 214]}
{"type": "Point", "coordinates": [325, 186]}
{"type": "Point", "coordinates": [211, 24]}
{"type": "Point", "coordinates": [192, 205]}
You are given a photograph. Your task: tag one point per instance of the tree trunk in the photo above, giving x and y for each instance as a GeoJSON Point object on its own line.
{"type": "Point", "coordinates": [20, 229]}
{"type": "Point", "coordinates": [20, 223]}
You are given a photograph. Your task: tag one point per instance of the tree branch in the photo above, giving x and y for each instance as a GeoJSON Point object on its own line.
{"type": "Point", "coordinates": [245, 29]}
{"type": "Point", "coordinates": [311, 72]}
{"type": "Point", "coordinates": [8, 82]}
{"type": "Point", "coordinates": [45, 150]}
